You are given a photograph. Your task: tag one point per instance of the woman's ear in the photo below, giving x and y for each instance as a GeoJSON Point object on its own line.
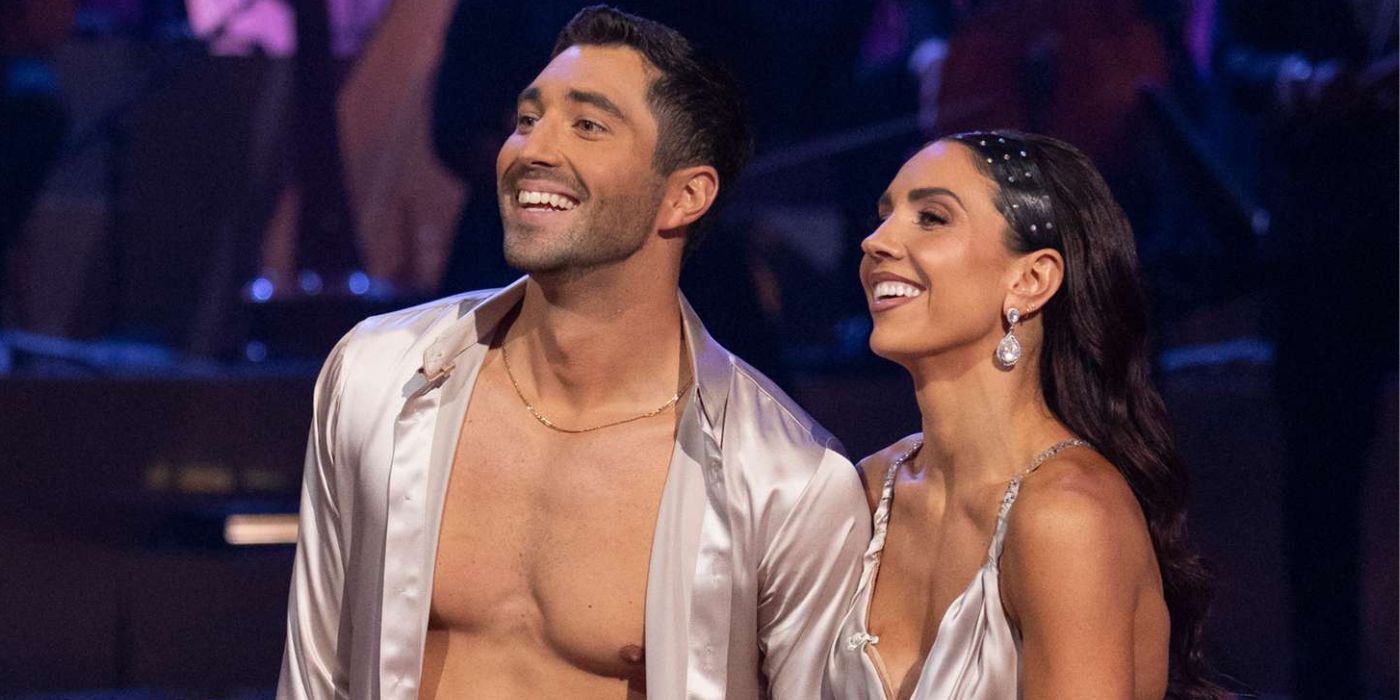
{"type": "Point", "coordinates": [690, 192]}
{"type": "Point", "coordinates": [1036, 278]}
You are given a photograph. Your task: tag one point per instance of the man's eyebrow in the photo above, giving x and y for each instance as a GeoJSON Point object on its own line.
{"type": "Point", "coordinates": [923, 193]}
{"type": "Point", "coordinates": [529, 94]}
{"type": "Point", "coordinates": [598, 100]}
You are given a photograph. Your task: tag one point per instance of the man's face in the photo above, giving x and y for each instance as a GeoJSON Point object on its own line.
{"type": "Point", "coordinates": [576, 184]}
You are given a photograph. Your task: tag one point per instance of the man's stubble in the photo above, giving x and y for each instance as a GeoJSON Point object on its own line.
{"type": "Point", "coordinates": [611, 228]}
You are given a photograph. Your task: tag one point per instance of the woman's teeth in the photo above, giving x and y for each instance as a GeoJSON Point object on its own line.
{"type": "Point", "coordinates": [885, 290]}
{"type": "Point", "coordinates": [545, 199]}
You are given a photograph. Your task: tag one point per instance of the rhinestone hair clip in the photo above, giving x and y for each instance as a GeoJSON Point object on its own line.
{"type": "Point", "coordinates": [1011, 163]}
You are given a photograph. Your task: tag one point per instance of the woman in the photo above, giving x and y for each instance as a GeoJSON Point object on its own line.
{"type": "Point", "coordinates": [1030, 542]}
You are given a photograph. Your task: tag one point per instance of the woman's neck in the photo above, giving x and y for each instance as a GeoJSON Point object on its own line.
{"type": "Point", "coordinates": [981, 423]}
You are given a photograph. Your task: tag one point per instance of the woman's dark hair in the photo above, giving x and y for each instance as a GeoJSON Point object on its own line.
{"type": "Point", "coordinates": [699, 114]}
{"type": "Point", "coordinates": [1094, 363]}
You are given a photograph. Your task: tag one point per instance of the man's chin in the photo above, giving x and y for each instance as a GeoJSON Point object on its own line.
{"type": "Point", "coordinates": [562, 264]}
{"type": "Point", "coordinates": [537, 262]}
{"type": "Point", "coordinates": [545, 252]}
{"type": "Point", "coordinates": [538, 270]}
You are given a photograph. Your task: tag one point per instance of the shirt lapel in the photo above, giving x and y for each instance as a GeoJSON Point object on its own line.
{"type": "Point", "coordinates": [689, 577]}
{"type": "Point", "coordinates": [425, 441]}
{"type": "Point", "coordinates": [688, 583]}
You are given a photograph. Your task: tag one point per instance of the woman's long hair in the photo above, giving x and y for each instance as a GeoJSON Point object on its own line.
{"type": "Point", "coordinates": [1094, 360]}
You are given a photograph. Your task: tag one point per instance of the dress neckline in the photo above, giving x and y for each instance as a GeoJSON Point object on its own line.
{"type": "Point", "coordinates": [882, 518]}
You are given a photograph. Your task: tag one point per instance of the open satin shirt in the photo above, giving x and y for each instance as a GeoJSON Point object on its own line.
{"type": "Point", "coordinates": [754, 559]}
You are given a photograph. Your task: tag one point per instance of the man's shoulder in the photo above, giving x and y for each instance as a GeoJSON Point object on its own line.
{"type": "Point", "coordinates": [413, 325]}
{"type": "Point", "coordinates": [797, 470]}
{"type": "Point", "coordinates": [385, 341]}
{"type": "Point", "coordinates": [419, 319]}
{"type": "Point", "coordinates": [755, 397]}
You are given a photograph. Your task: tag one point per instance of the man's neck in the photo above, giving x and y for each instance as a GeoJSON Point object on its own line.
{"type": "Point", "coordinates": [601, 339]}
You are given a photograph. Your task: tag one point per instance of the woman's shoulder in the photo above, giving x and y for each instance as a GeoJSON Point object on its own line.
{"type": "Point", "coordinates": [1077, 494]}
{"type": "Point", "coordinates": [873, 468]}
{"type": "Point", "coordinates": [1076, 519]}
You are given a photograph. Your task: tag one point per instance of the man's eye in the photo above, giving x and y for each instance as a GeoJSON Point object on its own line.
{"type": "Point", "coordinates": [525, 121]}
{"type": "Point", "coordinates": [928, 218]}
{"type": "Point", "coordinates": [588, 126]}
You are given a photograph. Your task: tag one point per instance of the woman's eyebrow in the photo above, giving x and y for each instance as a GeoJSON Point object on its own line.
{"type": "Point", "coordinates": [922, 193]}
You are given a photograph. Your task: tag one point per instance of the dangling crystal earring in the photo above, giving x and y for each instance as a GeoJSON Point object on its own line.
{"type": "Point", "coordinates": [1009, 349]}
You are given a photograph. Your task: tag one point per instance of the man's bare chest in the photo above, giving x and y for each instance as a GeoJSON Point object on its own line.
{"type": "Point", "coordinates": [547, 536]}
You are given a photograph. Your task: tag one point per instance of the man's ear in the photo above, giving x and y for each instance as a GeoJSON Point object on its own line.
{"type": "Point", "coordinates": [1036, 278]}
{"type": "Point", "coordinates": [690, 192]}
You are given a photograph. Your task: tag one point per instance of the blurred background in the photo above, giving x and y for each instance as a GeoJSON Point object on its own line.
{"type": "Point", "coordinates": [198, 197]}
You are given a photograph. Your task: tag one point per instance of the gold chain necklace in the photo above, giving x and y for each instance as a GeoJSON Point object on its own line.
{"type": "Point", "coordinates": [546, 422]}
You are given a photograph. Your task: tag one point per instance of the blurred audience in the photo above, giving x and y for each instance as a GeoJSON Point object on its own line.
{"type": "Point", "coordinates": [33, 120]}
{"type": "Point", "coordinates": [1321, 76]}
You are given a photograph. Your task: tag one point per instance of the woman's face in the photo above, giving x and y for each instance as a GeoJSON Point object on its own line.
{"type": "Point", "coordinates": [937, 271]}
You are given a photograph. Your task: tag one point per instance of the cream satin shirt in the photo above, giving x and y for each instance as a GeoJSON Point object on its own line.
{"type": "Point", "coordinates": [754, 559]}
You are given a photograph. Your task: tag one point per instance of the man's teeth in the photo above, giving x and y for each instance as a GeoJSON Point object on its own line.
{"type": "Point", "coordinates": [885, 290]}
{"type": "Point", "coordinates": [555, 201]}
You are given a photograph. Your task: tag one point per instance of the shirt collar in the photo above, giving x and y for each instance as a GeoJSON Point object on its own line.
{"type": "Point", "coordinates": [474, 325]}
{"type": "Point", "coordinates": [711, 364]}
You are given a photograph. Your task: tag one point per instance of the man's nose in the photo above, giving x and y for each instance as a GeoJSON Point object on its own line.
{"type": "Point", "coordinates": [541, 146]}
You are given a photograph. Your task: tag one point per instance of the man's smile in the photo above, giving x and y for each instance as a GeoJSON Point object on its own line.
{"type": "Point", "coordinates": [537, 200]}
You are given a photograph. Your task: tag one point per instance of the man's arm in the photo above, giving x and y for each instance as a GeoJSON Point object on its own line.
{"type": "Point", "coordinates": [311, 665]}
{"type": "Point", "coordinates": [809, 575]}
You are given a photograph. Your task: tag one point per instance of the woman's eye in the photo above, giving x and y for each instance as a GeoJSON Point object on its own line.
{"type": "Point", "coordinates": [928, 218]}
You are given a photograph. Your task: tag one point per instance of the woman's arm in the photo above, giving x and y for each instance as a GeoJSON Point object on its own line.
{"type": "Point", "coordinates": [1076, 562]}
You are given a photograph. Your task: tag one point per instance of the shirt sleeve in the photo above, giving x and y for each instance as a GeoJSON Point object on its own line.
{"type": "Point", "coordinates": [312, 667]}
{"type": "Point", "coordinates": [809, 577]}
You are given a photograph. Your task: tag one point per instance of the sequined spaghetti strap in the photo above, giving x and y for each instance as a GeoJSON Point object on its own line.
{"type": "Point", "coordinates": [1013, 489]}
{"type": "Point", "coordinates": [881, 522]}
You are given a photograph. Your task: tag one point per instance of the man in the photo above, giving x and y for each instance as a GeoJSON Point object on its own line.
{"type": "Point", "coordinates": [565, 488]}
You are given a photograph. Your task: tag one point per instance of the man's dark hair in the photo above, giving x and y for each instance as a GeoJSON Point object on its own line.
{"type": "Point", "coordinates": [699, 113]}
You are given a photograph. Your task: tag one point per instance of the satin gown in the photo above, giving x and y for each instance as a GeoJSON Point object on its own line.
{"type": "Point", "coordinates": [975, 655]}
